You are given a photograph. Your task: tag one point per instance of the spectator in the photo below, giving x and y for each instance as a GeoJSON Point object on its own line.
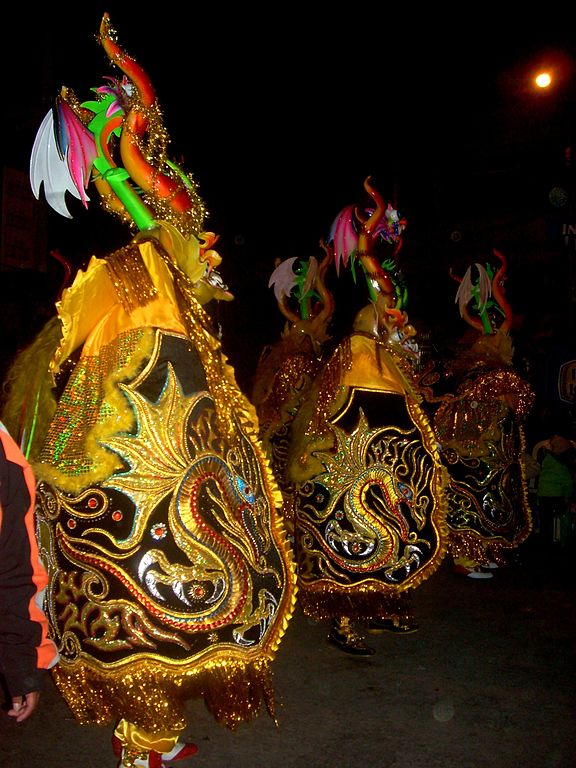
{"type": "Point", "coordinates": [556, 490]}
{"type": "Point", "coordinates": [25, 650]}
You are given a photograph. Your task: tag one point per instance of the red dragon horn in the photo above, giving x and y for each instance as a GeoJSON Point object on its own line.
{"type": "Point", "coordinates": [164, 183]}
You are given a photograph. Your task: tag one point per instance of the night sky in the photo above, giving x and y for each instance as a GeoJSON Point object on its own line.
{"type": "Point", "coordinates": [281, 111]}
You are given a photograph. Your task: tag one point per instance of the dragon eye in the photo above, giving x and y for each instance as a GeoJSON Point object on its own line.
{"type": "Point", "coordinates": [406, 491]}
{"type": "Point", "coordinates": [245, 490]}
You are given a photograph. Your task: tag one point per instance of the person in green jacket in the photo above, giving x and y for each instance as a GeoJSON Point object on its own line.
{"type": "Point", "coordinates": [556, 485]}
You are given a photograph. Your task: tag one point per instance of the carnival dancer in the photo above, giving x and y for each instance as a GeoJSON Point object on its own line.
{"type": "Point", "coordinates": [287, 368]}
{"type": "Point", "coordinates": [369, 509]}
{"type": "Point", "coordinates": [480, 428]}
{"type": "Point", "coordinates": [171, 576]}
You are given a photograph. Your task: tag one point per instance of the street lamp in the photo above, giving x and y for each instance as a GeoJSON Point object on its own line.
{"type": "Point", "coordinates": [543, 79]}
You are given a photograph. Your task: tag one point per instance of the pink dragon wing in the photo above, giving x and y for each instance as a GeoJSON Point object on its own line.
{"type": "Point", "coordinates": [344, 237]}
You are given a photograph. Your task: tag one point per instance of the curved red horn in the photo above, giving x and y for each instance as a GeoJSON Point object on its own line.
{"type": "Point", "coordinates": [126, 63]}
{"type": "Point", "coordinates": [454, 276]}
{"type": "Point", "coordinates": [498, 291]}
{"type": "Point", "coordinates": [145, 175]}
{"type": "Point", "coordinates": [326, 297]}
{"type": "Point", "coordinates": [370, 224]}
{"type": "Point", "coordinates": [366, 242]}
{"type": "Point", "coordinates": [284, 308]}
{"type": "Point", "coordinates": [474, 322]}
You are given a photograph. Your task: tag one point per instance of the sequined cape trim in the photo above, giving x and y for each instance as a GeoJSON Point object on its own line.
{"type": "Point", "coordinates": [232, 689]}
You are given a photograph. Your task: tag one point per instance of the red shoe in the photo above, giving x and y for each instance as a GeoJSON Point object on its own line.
{"type": "Point", "coordinates": [180, 751]}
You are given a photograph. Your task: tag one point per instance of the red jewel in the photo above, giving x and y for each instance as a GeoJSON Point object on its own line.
{"type": "Point", "coordinates": [117, 515]}
{"type": "Point", "coordinates": [71, 524]}
{"type": "Point", "coordinates": [92, 503]}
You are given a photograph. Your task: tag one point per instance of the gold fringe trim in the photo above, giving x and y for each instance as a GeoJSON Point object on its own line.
{"type": "Point", "coordinates": [131, 279]}
{"type": "Point", "coordinates": [152, 694]}
{"type": "Point", "coordinates": [369, 600]}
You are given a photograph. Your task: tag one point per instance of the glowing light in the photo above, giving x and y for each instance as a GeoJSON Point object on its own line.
{"type": "Point", "coordinates": [543, 80]}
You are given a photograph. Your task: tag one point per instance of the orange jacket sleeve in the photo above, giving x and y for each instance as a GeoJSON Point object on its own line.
{"type": "Point", "coordinates": [25, 648]}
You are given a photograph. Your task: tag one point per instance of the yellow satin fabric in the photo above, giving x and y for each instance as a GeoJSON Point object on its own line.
{"type": "Point", "coordinates": [373, 367]}
{"type": "Point", "coordinates": [92, 313]}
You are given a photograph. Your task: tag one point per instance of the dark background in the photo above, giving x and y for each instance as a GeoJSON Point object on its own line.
{"type": "Point", "coordinates": [281, 111]}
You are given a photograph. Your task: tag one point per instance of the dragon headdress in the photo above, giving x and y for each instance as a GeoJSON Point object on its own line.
{"type": "Point", "coordinates": [118, 141]}
{"type": "Point", "coordinates": [356, 235]}
{"type": "Point", "coordinates": [483, 305]}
